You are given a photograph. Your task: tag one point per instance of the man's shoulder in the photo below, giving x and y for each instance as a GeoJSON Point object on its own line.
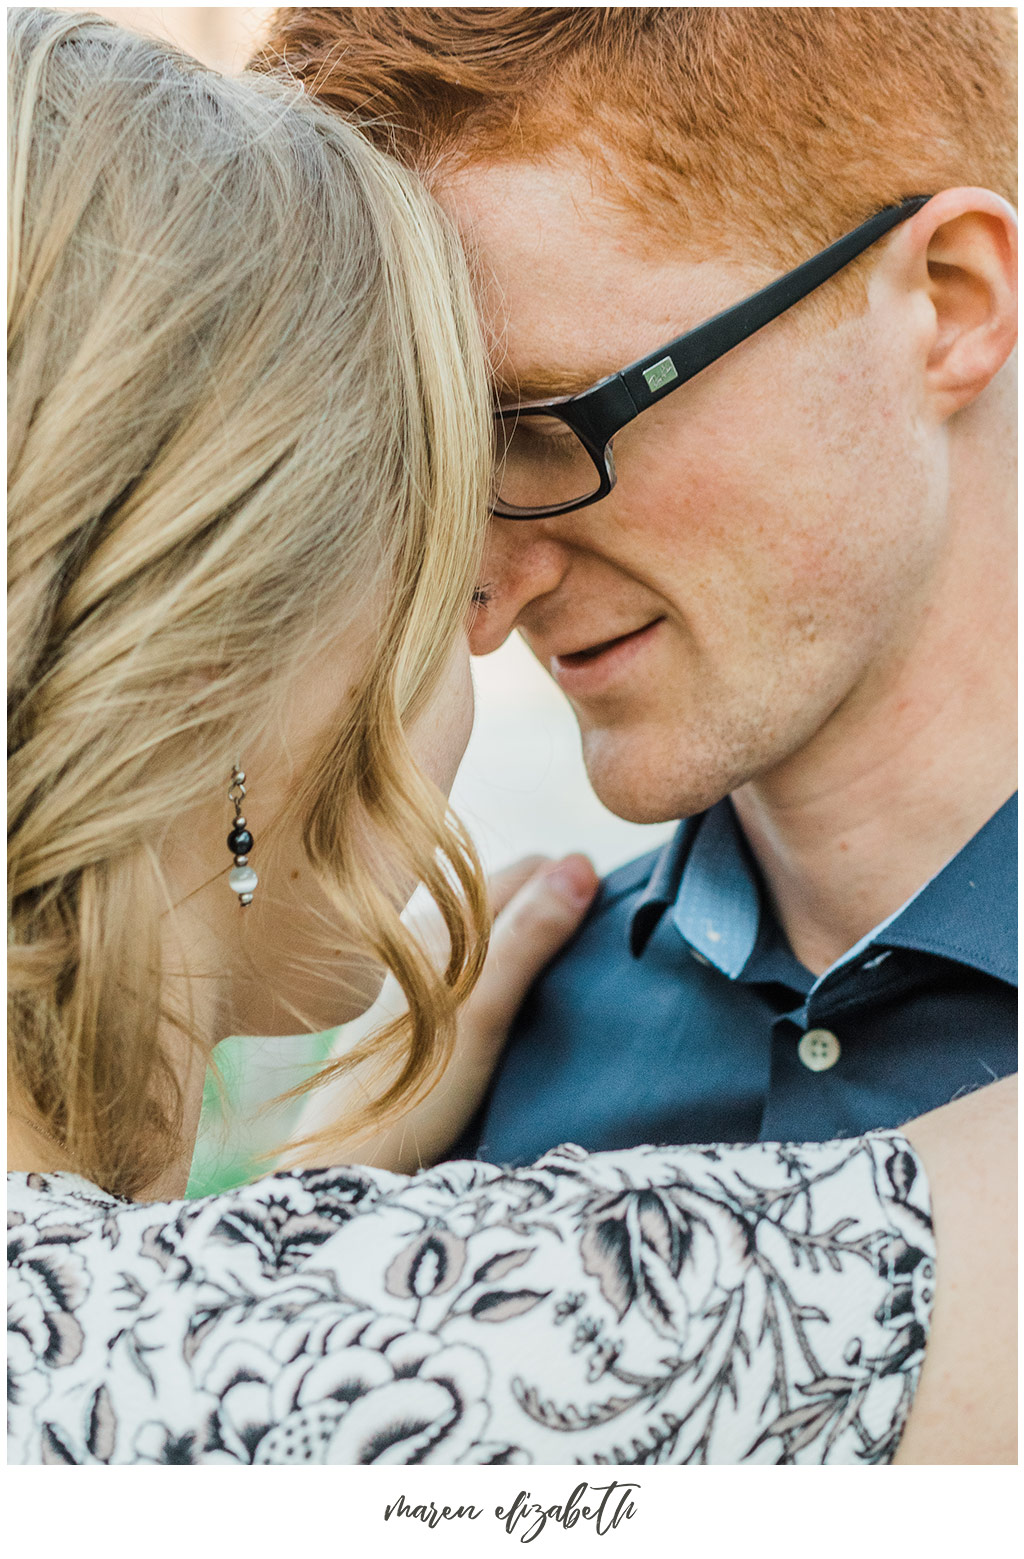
{"type": "Point", "coordinates": [597, 971]}
{"type": "Point", "coordinates": [605, 937]}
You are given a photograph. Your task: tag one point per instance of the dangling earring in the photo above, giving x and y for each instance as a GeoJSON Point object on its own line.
{"type": "Point", "coordinates": [241, 879]}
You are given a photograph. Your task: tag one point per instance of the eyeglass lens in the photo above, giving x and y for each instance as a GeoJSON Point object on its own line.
{"type": "Point", "coordinates": [540, 463]}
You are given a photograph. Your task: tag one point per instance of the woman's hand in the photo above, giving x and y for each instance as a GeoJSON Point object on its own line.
{"type": "Point", "coordinates": [538, 905]}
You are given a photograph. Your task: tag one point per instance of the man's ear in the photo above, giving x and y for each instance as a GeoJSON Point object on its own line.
{"type": "Point", "coordinates": [964, 244]}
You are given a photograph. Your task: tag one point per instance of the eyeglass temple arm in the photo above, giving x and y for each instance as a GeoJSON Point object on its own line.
{"type": "Point", "coordinates": [663, 371]}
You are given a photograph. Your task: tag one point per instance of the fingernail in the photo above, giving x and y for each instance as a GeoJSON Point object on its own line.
{"type": "Point", "coordinates": [569, 882]}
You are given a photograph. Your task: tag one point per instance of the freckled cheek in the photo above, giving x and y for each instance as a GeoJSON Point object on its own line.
{"type": "Point", "coordinates": [702, 530]}
{"type": "Point", "coordinates": [752, 506]}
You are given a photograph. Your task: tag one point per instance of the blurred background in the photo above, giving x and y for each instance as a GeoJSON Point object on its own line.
{"type": "Point", "coordinates": [522, 787]}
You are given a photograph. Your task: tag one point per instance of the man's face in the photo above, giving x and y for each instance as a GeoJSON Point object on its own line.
{"type": "Point", "coordinates": [766, 553]}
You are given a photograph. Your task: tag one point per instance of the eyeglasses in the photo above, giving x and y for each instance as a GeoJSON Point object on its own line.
{"type": "Point", "coordinates": [554, 456]}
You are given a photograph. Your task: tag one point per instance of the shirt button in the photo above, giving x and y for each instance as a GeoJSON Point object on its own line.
{"type": "Point", "coordinates": [819, 1049]}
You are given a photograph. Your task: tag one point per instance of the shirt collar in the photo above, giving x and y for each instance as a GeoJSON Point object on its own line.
{"type": "Point", "coordinates": [663, 885]}
{"type": "Point", "coordinates": [966, 913]}
{"type": "Point", "coordinates": [717, 909]}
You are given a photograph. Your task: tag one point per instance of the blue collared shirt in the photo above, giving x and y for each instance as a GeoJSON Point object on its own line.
{"type": "Point", "coordinates": [677, 1012]}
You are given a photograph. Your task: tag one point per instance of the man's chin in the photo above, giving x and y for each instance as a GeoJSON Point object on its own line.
{"type": "Point", "coordinates": [641, 786]}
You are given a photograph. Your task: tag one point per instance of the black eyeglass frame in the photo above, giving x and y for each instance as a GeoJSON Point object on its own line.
{"type": "Point", "coordinates": [596, 414]}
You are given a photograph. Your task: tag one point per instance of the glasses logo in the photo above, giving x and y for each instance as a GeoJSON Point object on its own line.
{"type": "Point", "coordinates": [661, 374]}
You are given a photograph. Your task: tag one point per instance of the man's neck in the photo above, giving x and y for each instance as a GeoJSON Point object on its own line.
{"type": "Point", "coordinates": [905, 772]}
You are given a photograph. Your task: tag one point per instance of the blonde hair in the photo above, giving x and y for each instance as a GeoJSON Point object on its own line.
{"type": "Point", "coordinates": [245, 385]}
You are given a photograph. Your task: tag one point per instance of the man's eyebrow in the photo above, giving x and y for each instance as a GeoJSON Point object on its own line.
{"type": "Point", "coordinates": [542, 384]}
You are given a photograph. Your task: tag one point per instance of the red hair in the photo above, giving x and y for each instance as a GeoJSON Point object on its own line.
{"type": "Point", "coordinates": [786, 125]}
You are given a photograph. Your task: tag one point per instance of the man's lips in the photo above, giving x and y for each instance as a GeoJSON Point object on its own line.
{"type": "Point", "coordinates": [579, 657]}
{"type": "Point", "coordinates": [589, 669]}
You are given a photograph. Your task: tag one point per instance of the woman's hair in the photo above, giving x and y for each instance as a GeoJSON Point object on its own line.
{"type": "Point", "coordinates": [246, 399]}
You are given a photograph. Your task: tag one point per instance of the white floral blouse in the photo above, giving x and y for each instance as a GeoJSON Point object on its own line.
{"type": "Point", "coordinates": [727, 1304]}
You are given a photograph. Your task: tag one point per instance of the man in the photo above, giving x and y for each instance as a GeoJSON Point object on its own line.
{"type": "Point", "coordinates": [785, 613]}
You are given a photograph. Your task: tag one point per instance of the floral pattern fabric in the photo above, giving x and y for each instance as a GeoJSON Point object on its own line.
{"type": "Point", "coordinates": [764, 1303]}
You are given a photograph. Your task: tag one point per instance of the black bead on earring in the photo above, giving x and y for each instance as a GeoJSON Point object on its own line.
{"type": "Point", "coordinates": [241, 879]}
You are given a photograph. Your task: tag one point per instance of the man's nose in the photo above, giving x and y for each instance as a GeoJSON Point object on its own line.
{"type": "Point", "coordinates": [522, 562]}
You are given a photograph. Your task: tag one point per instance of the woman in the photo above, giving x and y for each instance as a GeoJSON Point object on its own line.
{"type": "Point", "coordinates": [247, 491]}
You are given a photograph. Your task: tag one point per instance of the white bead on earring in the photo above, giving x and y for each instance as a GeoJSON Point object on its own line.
{"type": "Point", "coordinates": [241, 879]}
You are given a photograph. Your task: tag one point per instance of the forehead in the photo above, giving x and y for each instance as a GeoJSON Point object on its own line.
{"type": "Point", "coordinates": [570, 287]}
